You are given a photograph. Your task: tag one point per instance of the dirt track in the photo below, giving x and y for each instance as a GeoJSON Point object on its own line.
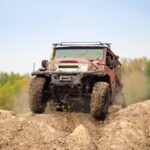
{"type": "Point", "coordinates": [124, 129]}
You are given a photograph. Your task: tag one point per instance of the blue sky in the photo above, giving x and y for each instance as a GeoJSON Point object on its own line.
{"type": "Point", "coordinates": [28, 27]}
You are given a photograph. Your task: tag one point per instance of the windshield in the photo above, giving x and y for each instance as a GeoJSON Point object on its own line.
{"type": "Point", "coordinates": [85, 53]}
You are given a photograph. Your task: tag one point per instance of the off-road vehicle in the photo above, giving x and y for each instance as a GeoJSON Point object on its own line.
{"type": "Point", "coordinates": [79, 77]}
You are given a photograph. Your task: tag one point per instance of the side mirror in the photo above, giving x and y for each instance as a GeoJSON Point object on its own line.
{"type": "Point", "coordinates": [117, 57]}
{"type": "Point", "coordinates": [44, 63]}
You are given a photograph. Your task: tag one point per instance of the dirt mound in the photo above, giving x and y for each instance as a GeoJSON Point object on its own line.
{"type": "Point", "coordinates": [123, 129]}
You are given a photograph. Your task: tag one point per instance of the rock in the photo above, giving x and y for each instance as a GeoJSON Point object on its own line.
{"type": "Point", "coordinates": [79, 138]}
{"type": "Point", "coordinates": [80, 135]}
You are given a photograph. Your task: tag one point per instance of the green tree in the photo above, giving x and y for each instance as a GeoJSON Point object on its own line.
{"type": "Point", "coordinates": [11, 85]}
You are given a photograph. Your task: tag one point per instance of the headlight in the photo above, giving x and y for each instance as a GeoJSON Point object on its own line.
{"type": "Point", "coordinates": [84, 67]}
{"type": "Point", "coordinates": [53, 67]}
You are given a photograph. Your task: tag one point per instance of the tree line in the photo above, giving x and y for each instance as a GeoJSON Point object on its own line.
{"type": "Point", "coordinates": [12, 85]}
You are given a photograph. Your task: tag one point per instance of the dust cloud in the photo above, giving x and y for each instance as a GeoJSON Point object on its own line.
{"type": "Point", "coordinates": [135, 87]}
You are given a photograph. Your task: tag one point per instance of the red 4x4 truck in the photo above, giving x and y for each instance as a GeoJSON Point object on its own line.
{"type": "Point", "coordinates": [79, 77]}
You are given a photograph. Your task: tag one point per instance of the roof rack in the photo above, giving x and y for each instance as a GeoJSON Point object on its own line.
{"type": "Point", "coordinates": [81, 43]}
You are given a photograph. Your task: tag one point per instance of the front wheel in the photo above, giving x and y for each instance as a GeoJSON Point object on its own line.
{"type": "Point", "coordinates": [37, 100]}
{"type": "Point", "coordinates": [100, 100]}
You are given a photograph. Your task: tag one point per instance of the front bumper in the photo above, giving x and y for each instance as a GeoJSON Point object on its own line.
{"type": "Point", "coordinates": [71, 83]}
{"type": "Point", "coordinates": [71, 79]}
{"type": "Point", "coordinates": [49, 73]}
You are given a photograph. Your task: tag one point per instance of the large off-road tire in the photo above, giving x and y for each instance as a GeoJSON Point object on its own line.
{"type": "Point", "coordinates": [100, 100]}
{"type": "Point", "coordinates": [119, 99]}
{"type": "Point", "coordinates": [37, 101]}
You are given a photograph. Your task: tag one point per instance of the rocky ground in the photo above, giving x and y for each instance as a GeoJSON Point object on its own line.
{"type": "Point", "coordinates": [124, 129]}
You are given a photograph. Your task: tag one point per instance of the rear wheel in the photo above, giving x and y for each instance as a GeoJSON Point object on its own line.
{"type": "Point", "coordinates": [100, 100]}
{"type": "Point", "coordinates": [37, 97]}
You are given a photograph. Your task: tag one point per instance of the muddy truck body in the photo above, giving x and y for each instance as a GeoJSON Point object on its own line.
{"type": "Point", "coordinates": [79, 77]}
